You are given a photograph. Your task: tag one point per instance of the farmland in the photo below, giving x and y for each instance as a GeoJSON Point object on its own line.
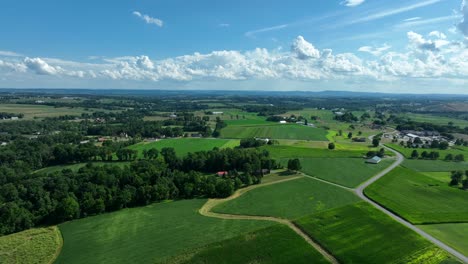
{"type": "Point", "coordinates": [183, 146]}
{"type": "Point", "coordinates": [349, 172]}
{"type": "Point", "coordinates": [146, 234]}
{"type": "Point", "coordinates": [255, 247]}
{"type": "Point", "coordinates": [292, 199]}
{"type": "Point", "coordinates": [40, 111]}
{"type": "Point", "coordinates": [434, 165]}
{"type": "Point", "coordinates": [455, 235]}
{"type": "Point", "coordinates": [407, 151]}
{"type": "Point", "coordinates": [275, 131]}
{"type": "Point", "coordinates": [39, 245]}
{"type": "Point", "coordinates": [419, 198]}
{"type": "Point", "coordinates": [284, 152]}
{"type": "Point", "coordinates": [359, 233]}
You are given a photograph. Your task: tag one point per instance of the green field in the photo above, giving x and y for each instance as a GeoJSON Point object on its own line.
{"type": "Point", "coordinates": [437, 120]}
{"type": "Point", "coordinates": [38, 245]}
{"type": "Point", "coordinates": [434, 165]}
{"type": "Point", "coordinates": [289, 152]}
{"type": "Point", "coordinates": [276, 244]}
{"type": "Point", "coordinates": [289, 200]}
{"type": "Point", "coordinates": [275, 131]}
{"type": "Point", "coordinates": [183, 146]}
{"type": "Point", "coordinates": [359, 233]}
{"type": "Point", "coordinates": [146, 234]}
{"type": "Point", "coordinates": [75, 167]}
{"type": "Point", "coordinates": [41, 111]}
{"type": "Point", "coordinates": [455, 235]}
{"type": "Point", "coordinates": [419, 198]}
{"type": "Point", "coordinates": [407, 151]}
{"type": "Point", "coordinates": [349, 172]}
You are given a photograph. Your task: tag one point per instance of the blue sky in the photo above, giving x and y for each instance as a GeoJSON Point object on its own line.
{"type": "Point", "coordinates": [413, 46]}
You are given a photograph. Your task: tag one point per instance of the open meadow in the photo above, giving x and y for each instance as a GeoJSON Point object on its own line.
{"type": "Point", "coordinates": [288, 200]}
{"type": "Point", "coordinates": [434, 165]}
{"type": "Point", "coordinates": [146, 234]}
{"type": "Point", "coordinates": [37, 245]}
{"type": "Point", "coordinates": [359, 233]}
{"type": "Point", "coordinates": [407, 151]}
{"type": "Point", "coordinates": [77, 166]}
{"type": "Point", "coordinates": [183, 146]}
{"type": "Point", "coordinates": [418, 198]}
{"type": "Point", "coordinates": [255, 247]}
{"type": "Point", "coordinates": [41, 111]}
{"type": "Point", "coordinates": [275, 131]}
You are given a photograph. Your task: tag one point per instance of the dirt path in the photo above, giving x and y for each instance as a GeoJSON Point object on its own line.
{"type": "Point", "coordinates": [205, 210]}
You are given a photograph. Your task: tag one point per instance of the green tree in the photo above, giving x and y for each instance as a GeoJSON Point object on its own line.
{"type": "Point", "coordinates": [331, 145]}
{"type": "Point", "coordinates": [294, 165]}
{"type": "Point", "coordinates": [375, 142]}
{"type": "Point", "coordinates": [414, 154]}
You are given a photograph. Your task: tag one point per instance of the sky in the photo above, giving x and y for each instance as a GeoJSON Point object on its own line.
{"type": "Point", "coordinates": [410, 46]}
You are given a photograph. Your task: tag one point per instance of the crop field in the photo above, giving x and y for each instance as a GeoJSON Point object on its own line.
{"type": "Point", "coordinates": [433, 119]}
{"type": "Point", "coordinates": [289, 200]}
{"type": "Point", "coordinates": [276, 244]}
{"type": "Point", "coordinates": [359, 233]}
{"type": "Point", "coordinates": [75, 167]}
{"type": "Point", "coordinates": [434, 165]}
{"type": "Point", "coordinates": [418, 198]}
{"type": "Point", "coordinates": [275, 131]}
{"type": "Point", "coordinates": [146, 234]}
{"type": "Point", "coordinates": [289, 152]}
{"type": "Point", "coordinates": [349, 172]}
{"type": "Point", "coordinates": [455, 235]}
{"type": "Point", "coordinates": [407, 151]}
{"type": "Point", "coordinates": [183, 146]}
{"type": "Point", "coordinates": [41, 111]}
{"type": "Point", "coordinates": [38, 245]}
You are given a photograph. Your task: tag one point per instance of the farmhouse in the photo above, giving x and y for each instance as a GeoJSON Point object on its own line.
{"type": "Point", "coordinates": [283, 122]}
{"type": "Point", "coordinates": [222, 173]}
{"type": "Point", "coordinates": [218, 113]}
{"type": "Point", "coordinates": [374, 160]}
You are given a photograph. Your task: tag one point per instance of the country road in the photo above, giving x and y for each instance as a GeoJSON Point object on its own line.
{"type": "Point", "coordinates": [360, 192]}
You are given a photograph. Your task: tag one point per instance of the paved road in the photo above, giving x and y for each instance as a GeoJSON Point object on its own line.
{"type": "Point", "coordinates": [360, 192]}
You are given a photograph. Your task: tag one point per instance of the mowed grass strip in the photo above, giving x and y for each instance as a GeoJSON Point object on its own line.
{"type": "Point", "coordinates": [418, 198]}
{"type": "Point", "coordinates": [77, 166]}
{"type": "Point", "coordinates": [349, 172]}
{"type": "Point", "coordinates": [276, 244]}
{"type": "Point", "coordinates": [455, 235]}
{"type": "Point", "coordinates": [146, 234]}
{"type": "Point", "coordinates": [38, 245]}
{"type": "Point", "coordinates": [275, 131]}
{"type": "Point", "coordinates": [434, 165]}
{"type": "Point", "coordinates": [289, 200]}
{"type": "Point", "coordinates": [359, 233]}
{"type": "Point", "coordinates": [183, 146]}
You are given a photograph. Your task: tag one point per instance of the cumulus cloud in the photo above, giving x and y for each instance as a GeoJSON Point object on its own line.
{"type": "Point", "coordinates": [376, 51]}
{"type": "Point", "coordinates": [6, 53]}
{"type": "Point", "coordinates": [352, 3]}
{"type": "Point", "coordinates": [149, 20]}
{"type": "Point", "coordinates": [304, 50]}
{"type": "Point", "coordinates": [463, 25]}
{"type": "Point", "coordinates": [41, 67]}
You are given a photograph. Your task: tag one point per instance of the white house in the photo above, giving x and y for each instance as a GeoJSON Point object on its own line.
{"type": "Point", "coordinates": [374, 160]}
{"type": "Point", "coordinates": [283, 122]}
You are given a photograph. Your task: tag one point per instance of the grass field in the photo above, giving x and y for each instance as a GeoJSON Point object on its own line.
{"type": "Point", "coordinates": [419, 198]}
{"type": "Point", "coordinates": [146, 234]}
{"type": "Point", "coordinates": [41, 111]}
{"type": "Point", "coordinates": [349, 172]}
{"type": "Point", "coordinates": [275, 131]}
{"type": "Point", "coordinates": [183, 146]}
{"type": "Point", "coordinates": [455, 235]}
{"type": "Point", "coordinates": [38, 245]}
{"type": "Point", "coordinates": [407, 151]}
{"type": "Point", "coordinates": [289, 152]}
{"type": "Point", "coordinates": [289, 200]}
{"type": "Point", "coordinates": [75, 167]}
{"type": "Point", "coordinates": [434, 165]}
{"type": "Point", "coordinates": [276, 244]}
{"type": "Point", "coordinates": [359, 233]}
{"type": "Point", "coordinates": [437, 120]}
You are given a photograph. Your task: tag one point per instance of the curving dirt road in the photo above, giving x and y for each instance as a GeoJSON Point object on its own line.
{"type": "Point", "coordinates": [205, 210]}
{"type": "Point", "coordinates": [360, 192]}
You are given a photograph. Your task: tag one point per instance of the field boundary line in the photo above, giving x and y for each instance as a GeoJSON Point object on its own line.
{"type": "Point", "coordinates": [205, 210]}
{"type": "Point", "coordinates": [329, 182]}
{"type": "Point", "coordinates": [59, 238]}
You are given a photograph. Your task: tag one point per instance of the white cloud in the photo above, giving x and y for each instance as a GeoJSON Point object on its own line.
{"type": "Point", "coordinates": [352, 3]}
{"type": "Point", "coordinates": [6, 53]}
{"type": "Point", "coordinates": [224, 25]}
{"type": "Point", "coordinates": [303, 49]}
{"type": "Point", "coordinates": [149, 20]}
{"type": "Point", "coordinates": [437, 34]}
{"type": "Point", "coordinates": [376, 51]}
{"type": "Point", "coordinates": [267, 29]}
{"type": "Point", "coordinates": [41, 67]}
{"type": "Point", "coordinates": [463, 25]}
{"type": "Point", "coordinates": [412, 19]}
{"type": "Point", "coordinates": [423, 22]}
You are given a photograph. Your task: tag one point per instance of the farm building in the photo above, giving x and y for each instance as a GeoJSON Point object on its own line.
{"type": "Point", "coordinates": [283, 122]}
{"type": "Point", "coordinates": [222, 173]}
{"type": "Point", "coordinates": [374, 160]}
